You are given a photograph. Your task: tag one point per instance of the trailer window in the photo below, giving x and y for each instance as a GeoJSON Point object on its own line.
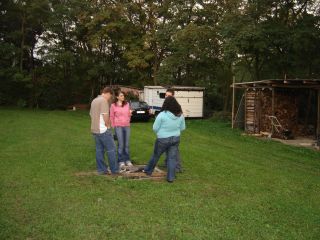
{"type": "Point", "coordinates": [162, 95]}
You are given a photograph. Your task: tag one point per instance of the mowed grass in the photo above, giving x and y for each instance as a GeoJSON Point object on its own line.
{"type": "Point", "coordinates": [233, 187]}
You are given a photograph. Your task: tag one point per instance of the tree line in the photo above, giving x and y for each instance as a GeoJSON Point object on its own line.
{"type": "Point", "coordinates": [59, 52]}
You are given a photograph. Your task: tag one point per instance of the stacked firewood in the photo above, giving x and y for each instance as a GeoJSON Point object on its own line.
{"type": "Point", "coordinates": [266, 110]}
{"type": "Point", "coordinates": [285, 109]}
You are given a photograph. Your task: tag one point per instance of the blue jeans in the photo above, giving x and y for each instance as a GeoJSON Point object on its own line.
{"type": "Point", "coordinates": [123, 135]}
{"type": "Point", "coordinates": [169, 145]}
{"type": "Point", "coordinates": [105, 143]}
{"type": "Point", "coordinates": [178, 163]}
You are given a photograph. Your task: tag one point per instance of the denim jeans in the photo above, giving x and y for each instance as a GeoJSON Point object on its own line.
{"type": "Point", "coordinates": [169, 145]}
{"type": "Point", "coordinates": [123, 135]}
{"type": "Point", "coordinates": [105, 143]}
{"type": "Point", "coordinates": [178, 162]}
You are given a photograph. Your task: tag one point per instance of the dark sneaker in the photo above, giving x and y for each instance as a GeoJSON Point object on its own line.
{"type": "Point", "coordinates": [147, 173]}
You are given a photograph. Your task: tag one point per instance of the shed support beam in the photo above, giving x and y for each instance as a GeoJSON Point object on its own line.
{"type": "Point", "coordinates": [318, 120]}
{"type": "Point", "coordinates": [272, 107]}
{"type": "Point", "coordinates": [233, 100]}
{"type": "Point", "coordinates": [245, 111]}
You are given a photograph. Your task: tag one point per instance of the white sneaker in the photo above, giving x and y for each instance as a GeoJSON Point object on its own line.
{"type": "Point", "coordinates": [122, 166]}
{"type": "Point", "coordinates": [129, 163]}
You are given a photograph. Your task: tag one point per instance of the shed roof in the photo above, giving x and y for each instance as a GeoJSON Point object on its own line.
{"type": "Point", "coordinates": [280, 83]}
{"type": "Point", "coordinates": [177, 88]}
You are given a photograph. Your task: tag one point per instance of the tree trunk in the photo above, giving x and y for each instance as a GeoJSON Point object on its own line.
{"type": "Point", "coordinates": [155, 69]}
{"type": "Point", "coordinates": [227, 96]}
{"type": "Point", "coordinates": [34, 96]}
{"type": "Point", "coordinates": [257, 67]}
{"type": "Point", "coordinates": [23, 22]}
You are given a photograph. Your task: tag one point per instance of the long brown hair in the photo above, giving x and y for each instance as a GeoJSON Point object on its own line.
{"type": "Point", "coordinates": [171, 104]}
{"type": "Point", "coordinates": [117, 94]}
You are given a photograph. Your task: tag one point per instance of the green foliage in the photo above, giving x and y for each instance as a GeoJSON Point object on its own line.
{"type": "Point", "coordinates": [79, 46]}
{"type": "Point", "coordinates": [272, 39]}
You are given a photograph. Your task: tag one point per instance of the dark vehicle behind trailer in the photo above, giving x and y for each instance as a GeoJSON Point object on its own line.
{"type": "Point", "coordinates": [140, 111]}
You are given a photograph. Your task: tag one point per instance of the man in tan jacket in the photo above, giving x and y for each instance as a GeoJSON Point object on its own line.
{"type": "Point", "coordinates": [101, 130]}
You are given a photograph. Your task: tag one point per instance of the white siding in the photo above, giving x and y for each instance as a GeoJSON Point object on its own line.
{"type": "Point", "coordinates": [190, 101]}
{"type": "Point", "coordinates": [191, 107]}
{"type": "Point", "coordinates": [188, 94]}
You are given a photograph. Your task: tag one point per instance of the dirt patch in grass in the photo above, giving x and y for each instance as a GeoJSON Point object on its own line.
{"type": "Point", "coordinates": [132, 173]}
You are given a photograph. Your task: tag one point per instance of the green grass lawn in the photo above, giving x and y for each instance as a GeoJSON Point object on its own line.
{"type": "Point", "coordinates": [233, 187]}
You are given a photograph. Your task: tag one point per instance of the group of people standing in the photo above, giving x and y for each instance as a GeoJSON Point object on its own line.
{"type": "Point", "coordinates": [168, 126]}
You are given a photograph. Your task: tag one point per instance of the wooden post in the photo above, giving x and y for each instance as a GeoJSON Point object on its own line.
{"type": "Point", "coordinates": [259, 109]}
{"type": "Point", "coordinates": [233, 99]}
{"type": "Point", "coordinates": [245, 110]}
{"type": "Point", "coordinates": [256, 108]}
{"type": "Point", "coordinates": [318, 121]}
{"type": "Point", "coordinates": [273, 102]}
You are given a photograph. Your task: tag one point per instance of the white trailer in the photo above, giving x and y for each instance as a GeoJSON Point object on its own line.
{"type": "Point", "coordinates": [190, 99]}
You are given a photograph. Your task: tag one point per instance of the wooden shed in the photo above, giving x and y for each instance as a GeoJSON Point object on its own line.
{"type": "Point", "coordinates": [292, 103]}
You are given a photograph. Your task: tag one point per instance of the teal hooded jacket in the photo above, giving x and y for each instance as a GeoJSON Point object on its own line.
{"type": "Point", "coordinates": [168, 125]}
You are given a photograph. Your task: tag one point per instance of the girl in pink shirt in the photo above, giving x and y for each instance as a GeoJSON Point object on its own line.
{"type": "Point", "coordinates": [120, 115]}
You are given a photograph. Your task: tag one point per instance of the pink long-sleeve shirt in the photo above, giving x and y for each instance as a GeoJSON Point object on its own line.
{"type": "Point", "coordinates": [120, 116]}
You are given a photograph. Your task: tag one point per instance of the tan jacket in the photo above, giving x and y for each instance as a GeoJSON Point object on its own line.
{"type": "Point", "coordinates": [99, 107]}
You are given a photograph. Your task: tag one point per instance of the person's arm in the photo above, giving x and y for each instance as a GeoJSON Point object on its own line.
{"type": "Point", "coordinates": [182, 124]}
{"type": "Point", "coordinates": [157, 123]}
{"type": "Point", "coordinates": [112, 110]}
{"type": "Point", "coordinates": [105, 114]}
{"type": "Point", "coordinates": [106, 119]}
